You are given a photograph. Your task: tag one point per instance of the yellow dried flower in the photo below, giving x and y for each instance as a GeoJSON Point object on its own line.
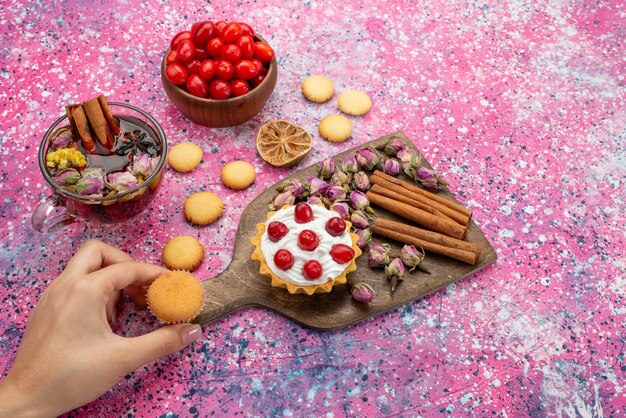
{"type": "Point", "coordinates": [65, 158]}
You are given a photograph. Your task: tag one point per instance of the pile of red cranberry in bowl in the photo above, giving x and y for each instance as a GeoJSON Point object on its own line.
{"type": "Point", "coordinates": [218, 61]}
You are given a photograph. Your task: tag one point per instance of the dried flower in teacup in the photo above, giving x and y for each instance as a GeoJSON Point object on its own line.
{"type": "Point", "coordinates": [392, 167]}
{"type": "Point", "coordinates": [90, 186]}
{"type": "Point", "coordinates": [317, 187]}
{"type": "Point", "coordinates": [121, 181]}
{"type": "Point", "coordinates": [341, 178]}
{"type": "Point", "coordinates": [342, 209]}
{"type": "Point", "coordinates": [326, 168]}
{"type": "Point", "coordinates": [362, 292]}
{"type": "Point", "coordinates": [314, 200]}
{"type": "Point", "coordinates": [367, 158]}
{"type": "Point", "coordinates": [408, 159]}
{"type": "Point", "coordinates": [359, 219]}
{"type": "Point", "coordinates": [365, 235]}
{"type": "Point", "coordinates": [429, 178]}
{"type": "Point", "coordinates": [95, 172]}
{"type": "Point", "coordinates": [361, 181]}
{"type": "Point", "coordinates": [62, 139]}
{"type": "Point", "coordinates": [67, 177]}
{"type": "Point", "coordinates": [335, 193]}
{"type": "Point", "coordinates": [350, 164]}
{"type": "Point", "coordinates": [142, 166]}
{"type": "Point", "coordinates": [393, 146]}
{"type": "Point", "coordinates": [63, 158]}
{"type": "Point", "coordinates": [378, 255]}
{"type": "Point", "coordinates": [395, 272]}
{"type": "Point", "coordinates": [282, 199]}
{"type": "Point", "coordinates": [412, 258]}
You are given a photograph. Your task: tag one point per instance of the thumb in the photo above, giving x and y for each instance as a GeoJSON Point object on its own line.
{"type": "Point", "coordinates": [156, 344]}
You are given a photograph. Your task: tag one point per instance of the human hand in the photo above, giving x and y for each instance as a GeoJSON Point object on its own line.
{"type": "Point", "coordinates": [69, 355]}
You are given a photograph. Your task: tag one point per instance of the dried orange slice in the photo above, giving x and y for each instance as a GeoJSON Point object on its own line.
{"type": "Point", "coordinates": [283, 144]}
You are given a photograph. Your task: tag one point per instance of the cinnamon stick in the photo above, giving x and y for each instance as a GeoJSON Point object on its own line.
{"type": "Point", "coordinates": [111, 121]}
{"type": "Point", "coordinates": [423, 192]}
{"type": "Point", "coordinates": [82, 127]}
{"type": "Point", "coordinates": [434, 223]}
{"type": "Point", "coordinates": [408, 199]}
{"type": "Point", "coordinates": [429, 236]}
{"type": "Point", "coordinates": [449, 212]}
{"type": "Point", "coordinates": [70, 118]}
{"type": "Point", "coordinates": [457, 254]}
{"type": "Point", "coordinates": [98, 122]}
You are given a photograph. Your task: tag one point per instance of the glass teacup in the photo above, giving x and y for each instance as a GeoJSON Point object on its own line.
{"type": "Point", "coordinates": [67, 204]}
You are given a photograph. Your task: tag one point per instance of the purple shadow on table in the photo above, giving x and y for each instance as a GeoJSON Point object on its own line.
{"type": "Point", "coordinates": [242, 285]}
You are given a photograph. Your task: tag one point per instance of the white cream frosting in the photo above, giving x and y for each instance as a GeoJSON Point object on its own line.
{"type": "Point", "coordinates": [330, 268]}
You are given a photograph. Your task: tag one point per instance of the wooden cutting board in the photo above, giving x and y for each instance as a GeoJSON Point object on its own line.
{"type": "Point", "coordinates": [241, 285]}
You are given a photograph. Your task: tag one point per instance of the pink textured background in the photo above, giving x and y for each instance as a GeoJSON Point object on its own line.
{"type": "Point", "coordinates": [519, 104]}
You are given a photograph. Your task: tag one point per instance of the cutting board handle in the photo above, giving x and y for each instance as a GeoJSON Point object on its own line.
{"type": "Point", "coordinates": [222, 295]}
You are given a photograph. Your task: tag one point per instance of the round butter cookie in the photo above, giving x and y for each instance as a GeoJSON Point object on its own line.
{"type": "Point", "coordinates": [335, 128]}
{"type": "Point", "coordinates": [238, 175]}
{"type": "Point", "coordinates": [175, 297]}
{"type": "Point", "coordinates": [203, 208]}
{"type": "Point", "coordinates": [184, 157]}
{"type": "Point", "coordinates": [318, 88]}
{"type": "Point", "coordinates": [354, 103]}
{"type": "Point", "coordinates": [182, 253]}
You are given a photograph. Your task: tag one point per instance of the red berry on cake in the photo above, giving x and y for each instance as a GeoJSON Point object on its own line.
{"type": "Point", "coordinates": [341, 253]}
{"type": "Point", "coordinates": [283, 259]}
{"type": "Point", "coordinates": [312, 270]}
{"type": "Point", "coordinates": [276, 231]}
{"type": "Point", "coordinates": [303, 213]}
{"type": "Point", "coordinates": [308, 240]}
{"type": "Point", "coordinates": [335, 226]}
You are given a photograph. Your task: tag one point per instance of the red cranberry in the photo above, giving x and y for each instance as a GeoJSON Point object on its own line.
{"type": "Point", "coordinates": [276, 231]}
{"type": "Point", "coordinates": [303, 213]}
{"type": "Point", "coordinates": [335, 226]}
{"type": "Point", "coordinates": [308, 240]}
{"type": "Point", "coordinates": [341, 253]}
{"type": "Point", "coordinates": [283, 259]}
{"type": "Point", "coordinates": [312, 270]}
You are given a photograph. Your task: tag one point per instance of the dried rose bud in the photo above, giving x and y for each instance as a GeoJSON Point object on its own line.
{"type": "Point", "coordinates": [121, 181]}
{"type": "Point", "coordinates": [392, 167]}
{"type": "Point", "coordinates": [361, 181]}
{"type": "Point", "coordinates": [365, 235]}
{"type": "Point", "coordinates": [341, 178]}
{"type": "Point", "coordinates": [317, 187]}
{"type": "Point", "coordinates": [326, 168]}
{"type": "Point", "coordinates": [335, 193]}
{"type": "Point", "coordinates": [412, 257]}
{"type": "Point", "coordinates": [429, 178]}
{"type": "Point", "coordinates": [408, 159]}
{"type": "Point", "coordinates": [89, 186]}
{"type": "Point", "coordinates": [67, 177]}
{"type": "Point", "coordinates": [295, 187]}
{"type": "Point", "coordinates": [142, 166]}
{"type": "Point", "coordinates": [350, 164]}
{"type": "Point", "coordinates": [98, 173]}
{"type": "Point", "coordinates": [393, 146]}
{"type": "Point", "coordinates": [314, 200]}
{"type": "Point", "coordinates": [395, 272]}
{"type": "Point", "coordinates": [359, 219]}
{"type": "Point", "coordinates": [358, 200]}
{"type": "Point", "coordinates": [367, 158]}
{"type": "Point", "coordinates": [282, 199]}
{"type": "Point", "coordinates": [362, 292]}
{"type": "Point", "coordinates": [342, 209]}
{"type": "Point", "coordinates": [378, 255]}
{"type": "Point", "coordinates": [63, 139]}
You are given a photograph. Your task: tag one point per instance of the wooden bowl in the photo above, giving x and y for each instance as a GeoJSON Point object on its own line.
{"type": "Point", "coordinates": [222, 113]}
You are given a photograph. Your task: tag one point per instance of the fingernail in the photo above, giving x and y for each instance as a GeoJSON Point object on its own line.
{"type": "Point", "coordinates": [191, 333]}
